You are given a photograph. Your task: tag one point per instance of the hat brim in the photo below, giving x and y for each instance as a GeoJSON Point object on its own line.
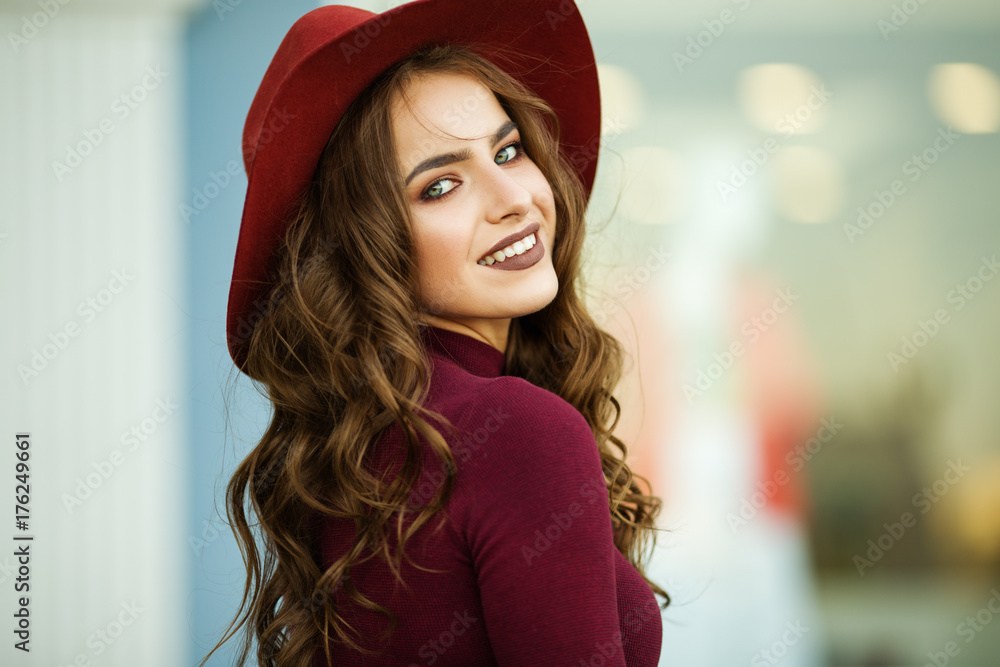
{"type": "Point", "coordinates": [544, 44]}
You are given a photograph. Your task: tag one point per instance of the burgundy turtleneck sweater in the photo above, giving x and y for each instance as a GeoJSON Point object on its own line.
{"type": "Point", "coordinates": [531, 575]}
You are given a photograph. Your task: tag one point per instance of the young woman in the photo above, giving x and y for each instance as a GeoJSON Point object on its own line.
{"type": "Point", "coordinates": [439, 483]}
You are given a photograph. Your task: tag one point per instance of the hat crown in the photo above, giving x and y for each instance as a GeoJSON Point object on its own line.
{"type": "Point", "coordinates": [309, 33]}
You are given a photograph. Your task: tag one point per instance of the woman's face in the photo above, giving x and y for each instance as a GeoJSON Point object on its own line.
{"type": "Point", "coordinates": [465, 196]}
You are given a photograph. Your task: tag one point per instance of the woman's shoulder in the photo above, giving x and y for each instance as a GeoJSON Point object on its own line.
{"type": "Point", "coordinates": [527, 450]}
{"type": "Point", "coordinates": [530, 400]}
{"type": "Point", "coordinates": [509, 418]}
{"type": "Point", "coordinates": [506, 400]}
{"type": "Point", "coordinates": [452, 383]}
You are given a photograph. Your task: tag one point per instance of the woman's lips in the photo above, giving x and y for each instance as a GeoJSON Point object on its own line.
{"type": "Point", "coordinates": [509, 240]}
{"type": "Point", "coordinates": [527, 258]}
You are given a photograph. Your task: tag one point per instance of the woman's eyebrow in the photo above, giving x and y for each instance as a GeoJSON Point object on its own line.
{"type": "Point", "coordinates": [458, 156]}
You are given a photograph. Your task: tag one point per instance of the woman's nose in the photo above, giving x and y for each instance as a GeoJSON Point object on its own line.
{"type": "Point", "coordinates": [506, 195]}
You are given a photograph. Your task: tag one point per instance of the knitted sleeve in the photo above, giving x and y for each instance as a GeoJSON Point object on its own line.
{"type": "Point", "coordinates": [537, 524]}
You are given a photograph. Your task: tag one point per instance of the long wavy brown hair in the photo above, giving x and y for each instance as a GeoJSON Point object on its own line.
{"type": "Point", "coordinates": [337, 351]}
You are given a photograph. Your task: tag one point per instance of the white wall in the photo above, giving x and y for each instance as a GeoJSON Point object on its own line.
{"type": "Point", "coordinates": [103, 369]}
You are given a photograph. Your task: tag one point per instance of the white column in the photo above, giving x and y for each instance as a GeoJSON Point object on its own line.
{"type": "Point", "coordinates": [91, 270]}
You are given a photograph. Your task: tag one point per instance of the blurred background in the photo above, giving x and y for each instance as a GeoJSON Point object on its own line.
{"type": "Point", "coordinates": [794, 232]}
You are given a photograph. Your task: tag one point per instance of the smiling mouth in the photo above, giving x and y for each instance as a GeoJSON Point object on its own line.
{"type": "Point", "coordinates": [513, 250]}
{"type": "Point", "coordinates": [526, 252]}
{"type": "Point", "coordinates": [512, 245]}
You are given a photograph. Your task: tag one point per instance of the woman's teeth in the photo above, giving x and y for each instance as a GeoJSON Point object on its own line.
{"type": "Point", "coordinates": [517, 248]}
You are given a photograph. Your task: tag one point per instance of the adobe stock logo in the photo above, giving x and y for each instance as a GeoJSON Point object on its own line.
{"type": "Point", "coordinates": [967, 629]}
{"type": "Point", "coordinates": [433, 649]}
{"type": "Point", "coordinates": [566, 8]}
{"type": "Point", "coordinates": [752, 329]}
{"type": "Point", "coordinates": [779, 648]}
{"type": "Point", "coordinates": [122, 107]}
{"type": "Point", "coordinates": [363, 38]}
{"type": "Point", "coordinates": [559, 523]}
{"type": "Point", "coordinates": [31, 25]}
{"type": "Point", "coordinates": [790, 123]}
{"type": "Point", "coordinates": [796, 460]}
{"type": "Point", "coordinates": [915, 167]}
{"type": "Point", "coordinates": [276, 123]}
{"type": "Point", "coordinates": [899, 17]}
{"type": "Point", "coordinates": [210, 189]}
{"type": "Point", "coordinates": [924, 501]}
{"type": "Point", "coordinates": [714, 27]}
{"type": "Point", "coordinates": [59, 340]}
{"type": "Point", "coordinates": [927, 329]}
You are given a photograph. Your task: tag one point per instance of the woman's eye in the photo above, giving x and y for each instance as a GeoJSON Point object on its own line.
{"type": "Point", "coordinates": [512, 151]}
{"type": "Point", "coordinates": [435, 191]}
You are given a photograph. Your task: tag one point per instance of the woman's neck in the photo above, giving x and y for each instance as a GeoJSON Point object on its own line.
{"type": "Point", "coordinates": [490, 331]}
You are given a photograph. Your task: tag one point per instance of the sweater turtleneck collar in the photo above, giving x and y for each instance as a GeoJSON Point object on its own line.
{"type": "Point", "coordinates": [472, 354]}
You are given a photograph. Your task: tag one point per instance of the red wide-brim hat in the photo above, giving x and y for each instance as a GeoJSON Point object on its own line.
{"type": "Point", "coordinates": [331, 54]}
